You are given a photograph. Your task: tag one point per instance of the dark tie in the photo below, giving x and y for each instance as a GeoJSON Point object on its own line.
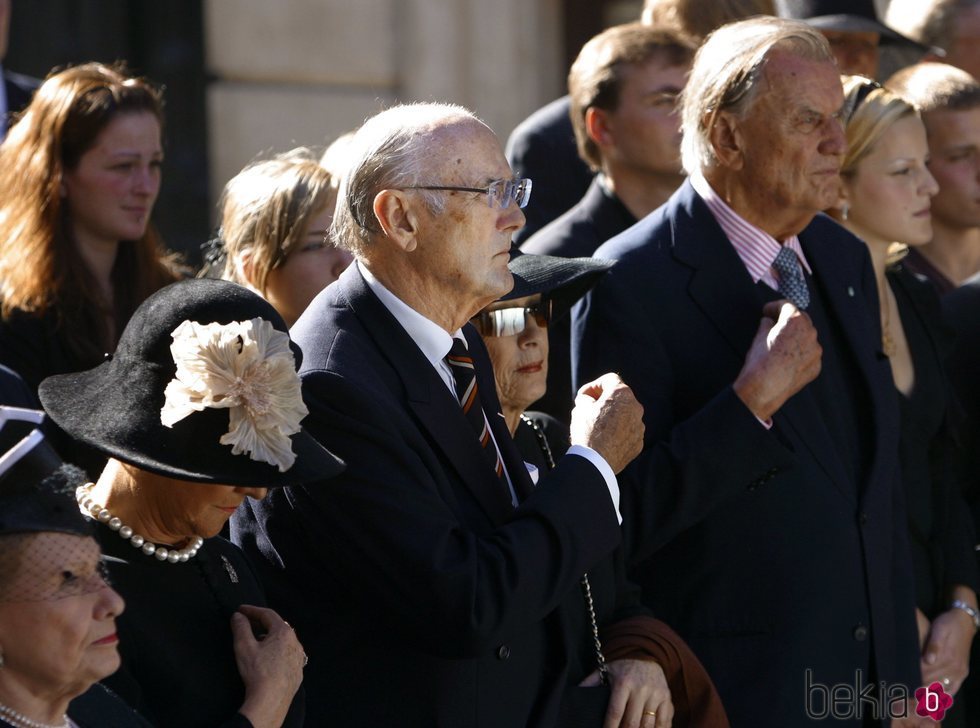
{"type": "Point", "coordinates": [792, 284]}
{"type": "Point", "coordinates": [464, 375]}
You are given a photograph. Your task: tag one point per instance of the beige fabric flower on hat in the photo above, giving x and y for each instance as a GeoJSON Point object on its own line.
{"type": "Point", "coordinates": [248, 368]}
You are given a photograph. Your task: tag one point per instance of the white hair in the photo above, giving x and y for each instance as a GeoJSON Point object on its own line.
{"type": "Point", "coordinates": [726, 74]}
{"type": "Point", "coordinates": [389, 150]}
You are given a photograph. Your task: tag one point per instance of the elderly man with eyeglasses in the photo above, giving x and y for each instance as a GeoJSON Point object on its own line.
{"type": "Point", "coordinates": [432, 583]}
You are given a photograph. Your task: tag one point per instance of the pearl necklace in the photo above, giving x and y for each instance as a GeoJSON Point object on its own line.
{"type": "Point", "coordinates": [89, 507]}
{"type": "Point", "coordinates": [20, 720]}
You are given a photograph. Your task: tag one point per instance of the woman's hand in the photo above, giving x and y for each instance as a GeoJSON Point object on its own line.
{"type": "Point", "coordinates": [640, 696]}
{"type": "Point", "coordinates": [946, 654]}
{"type": "Point", "coordinates": [271, 665]}
{"type": "Point", "coordinates": [923, 625]}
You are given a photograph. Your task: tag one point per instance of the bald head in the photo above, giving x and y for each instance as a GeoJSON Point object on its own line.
{"type": "Point", "coordinates": [391, 149]}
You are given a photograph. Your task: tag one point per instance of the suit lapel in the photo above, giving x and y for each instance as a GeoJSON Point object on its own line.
{"type": "Point", "coordinates": [434, 407]}
{"type": "Point", "coordinates": [719, 285]}
{"type": "Point", "coordinates": [842, 290]}
{"type": "Point", "coordinates": [509, 454]}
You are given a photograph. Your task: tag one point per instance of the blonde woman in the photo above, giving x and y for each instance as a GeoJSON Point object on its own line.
{"type": "Point", "coordinates": [885, 198]}
{"type": "Point", "coordinates": [275, 215]}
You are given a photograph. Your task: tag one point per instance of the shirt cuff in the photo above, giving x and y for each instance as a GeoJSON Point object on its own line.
{"type": "Point", "coordinates": [604, 470]}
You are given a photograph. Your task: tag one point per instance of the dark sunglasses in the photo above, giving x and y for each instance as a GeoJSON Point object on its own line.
{"type": "Point", "coordinates": [511, 320]}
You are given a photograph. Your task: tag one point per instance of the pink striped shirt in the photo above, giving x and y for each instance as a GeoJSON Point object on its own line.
{"type": "Point", "coordinates": [756, 248]}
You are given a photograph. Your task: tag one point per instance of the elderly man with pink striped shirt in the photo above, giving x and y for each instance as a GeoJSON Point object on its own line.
{"type": "Point", "coordinates": [744, 320]}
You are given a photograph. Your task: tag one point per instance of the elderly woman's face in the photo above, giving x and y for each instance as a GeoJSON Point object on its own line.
{"type": "Point", "coordinates": [58, 616]}
{"type": "Point", "coordinates": [520, 361]}
{"type": "Point", "coordinates": [183, 509]}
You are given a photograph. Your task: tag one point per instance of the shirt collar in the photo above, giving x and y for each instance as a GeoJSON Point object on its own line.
{"type": "Point", "coordinates": [431, 338]}
{"type": "Point", "coordinates": [756, 248]}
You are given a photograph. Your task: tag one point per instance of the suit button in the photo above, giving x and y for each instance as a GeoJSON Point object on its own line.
{"type": "Point", "coordinates": [860, 633]}
{"type": "Point", "coordinates": [503, 652]}
{"type": "Point", "coordinates": [862, 518]}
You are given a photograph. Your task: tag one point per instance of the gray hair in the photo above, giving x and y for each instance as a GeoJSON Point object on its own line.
{"type": "Point", "coordinates": [388, 151]}
{"type": "Point", "coordinates": [727, 73]}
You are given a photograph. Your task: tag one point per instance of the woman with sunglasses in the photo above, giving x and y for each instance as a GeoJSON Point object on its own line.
{"type": "Point", "coordinates": [885, 199]}
{"type": "Point", "coordinates": [644, 659]}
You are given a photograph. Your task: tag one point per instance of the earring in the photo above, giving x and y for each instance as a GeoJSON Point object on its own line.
{"type": "Point", "coordinates": [843, 211]}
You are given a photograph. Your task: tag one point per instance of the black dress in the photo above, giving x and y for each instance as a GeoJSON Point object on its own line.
{"type": "Point", "coordinates": [178, 665]}
{"type": "Point", "coordinates": [941, 535]}
{"type": "Point", "coordinates": [614, 596]}
{"type": "Point", "coordinates": [99, 707]}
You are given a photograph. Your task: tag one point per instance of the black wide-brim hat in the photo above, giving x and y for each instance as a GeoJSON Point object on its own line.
{"type": "Point", "coordinates": [851, 16]}
{"type": "Point", "coordinates": [116, 406]}
{"type": "Point", "coordinates": [563, 280]}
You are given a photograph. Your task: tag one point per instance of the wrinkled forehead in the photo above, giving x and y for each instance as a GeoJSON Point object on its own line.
{"type": "Point", "coordinates": [790, 76]}
{"type": "Point", "coordinates": [469, 151]}
{"type": "Point", "coordinates": [47, 566]}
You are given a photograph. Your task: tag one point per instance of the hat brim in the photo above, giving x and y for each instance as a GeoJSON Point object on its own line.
{"type": "Point", "coordinates": [859, 24]}
{"type": "Point", "coordinates": [563, 280]}
{"type": "Point", "coordinates": [95, 407]}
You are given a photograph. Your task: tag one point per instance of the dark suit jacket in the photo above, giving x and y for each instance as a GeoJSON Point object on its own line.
{"type": "Point", "coordinates": [793, 575]}
{"type": "Point", "coordinates": [577, 233]}
{"type": "Point", "coordinates": [19, 90]}
{"type": "Point", "coordinates": [422, 597]}
{"type": "Point", "coordinates": [962, 311]}
{"type": "Point", "coordinates": [542, 148]}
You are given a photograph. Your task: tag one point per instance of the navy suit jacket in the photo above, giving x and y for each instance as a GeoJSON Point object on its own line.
{"type": "Point", "coordinates": [782, 571]}
{"type": "Point", "coordinates": [422, 597]}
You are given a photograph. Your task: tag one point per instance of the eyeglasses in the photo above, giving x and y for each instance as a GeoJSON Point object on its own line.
{"type": "Point", "coordinates": [511, 320]}
{"type": "Point", "coordinates": [499, 193]}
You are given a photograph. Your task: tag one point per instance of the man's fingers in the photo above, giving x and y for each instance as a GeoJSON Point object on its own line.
{"type": "Point", "coordinates": [597, 387]}
{"type": "Point", "coordinates": [777, 309]}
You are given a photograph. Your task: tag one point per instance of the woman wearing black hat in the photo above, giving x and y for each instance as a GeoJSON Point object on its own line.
{"type": "Point", "coordinates": [57, 613]}
{"type": "Point", "coordinates": [625, 645]}
{"type": "Point", "coordinates": [198, 408]}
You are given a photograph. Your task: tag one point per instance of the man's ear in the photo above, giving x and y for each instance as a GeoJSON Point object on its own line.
{"type": "Point", "coordinates": [597, 126]}
{"type": "Point", "coordinates": [726, 140]}
{"type": "Point", "coordinates": [397, 218]}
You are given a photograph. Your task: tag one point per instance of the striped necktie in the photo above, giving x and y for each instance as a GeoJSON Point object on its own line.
{"type": "Point", "coordinates": [464, 376]}
{"type": "Point", "coordinates": [792, 284]}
